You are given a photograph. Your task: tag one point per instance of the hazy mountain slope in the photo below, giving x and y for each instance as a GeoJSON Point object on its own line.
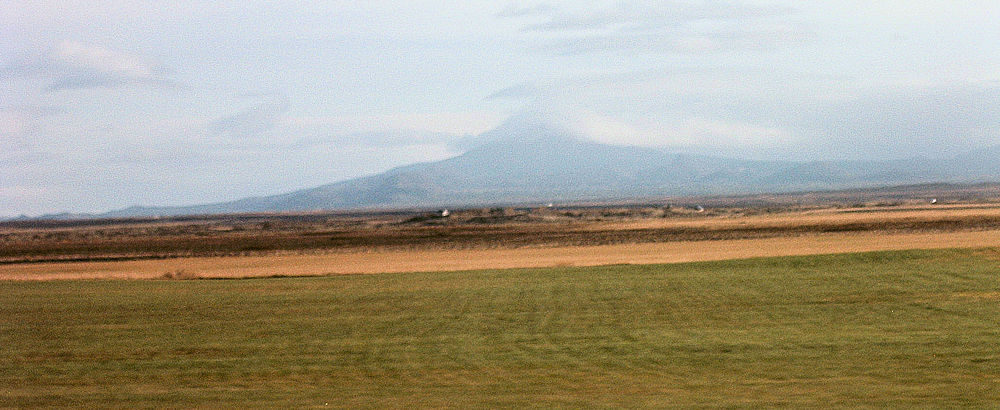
{"type": "Point", "coordinates": [524, 161]}
{"type": "Point", "coordinates": [981, 165]}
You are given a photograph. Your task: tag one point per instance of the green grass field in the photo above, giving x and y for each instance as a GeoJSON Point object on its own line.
{"type": "Point", "coordinates": [890, 328]}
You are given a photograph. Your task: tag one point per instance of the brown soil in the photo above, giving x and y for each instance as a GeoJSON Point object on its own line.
{"type": "Point", "coordinates": [468, 229]}
{"type": "Point", "coordinates": [386, 261]}
{"type": "Point", "coordinates": [316, 244]}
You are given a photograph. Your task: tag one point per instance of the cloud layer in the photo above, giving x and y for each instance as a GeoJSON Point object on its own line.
{"type": "Point", "coordinates": [104, 105]}
{"type": "Point", "coordinates": [76, 65]}
{"type": "Point", "coordinates": [688, 27]}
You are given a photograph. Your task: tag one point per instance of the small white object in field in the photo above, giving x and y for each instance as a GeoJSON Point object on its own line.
{"type": "Point", "coordinates": [699, 208]}
{"type": "Point", "coordinates": [934, 201]}
{"type": "Point", "coordinates": [444, 213]}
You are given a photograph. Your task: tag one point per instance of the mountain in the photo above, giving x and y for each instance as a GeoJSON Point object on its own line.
{"type": "Point", "coordinates": [529, 161]}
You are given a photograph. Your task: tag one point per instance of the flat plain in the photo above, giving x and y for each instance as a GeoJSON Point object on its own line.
{"type": "Point", "coordinates": [901, 329]}
{"type": "Point", "coordinates": [803, 305]}
{"type": "Point", "coordinates": [325, 244]}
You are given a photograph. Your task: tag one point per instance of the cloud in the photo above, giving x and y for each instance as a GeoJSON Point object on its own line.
{"type": "Point", "coordinates": [386, 138]}
{"type": "Point", "coordinates": [77, 65]}
{"type": "Point", "coordinates": [604, 84]}
{"type": "Point", "coordinates": [635, 16]}
{"type": "Point", "coordinates": [664, 27]}
{"type": "Point", "coordinates": [100, 59]}
{"type": "Point", "coordinates": [715, 41]}
{"type": "Point", "coordinates": [19, 123]}
{"type": "Point", "coordinates": [516, 92]}
{"type": "Point", "coordinates": [817, 119]}
{"type": "Point", "coordinates": [929, 121]}
{"type": "Point", "coordinates": [688, 131]}
{"type": "Point", "coordinates": [251, 123]}
{"type": "Point", "coordinates": [454, 123]}
{"type": "Point", "coordinates": [720, 133]}
{"type": "Point", "coordinates": [761, 113]}
{"type": "Point", "coordinates": [108, 81]}
{"type": "Point", "coordinates": [270, 124]}
{"type": "Point", "coordinates": [513, 10]}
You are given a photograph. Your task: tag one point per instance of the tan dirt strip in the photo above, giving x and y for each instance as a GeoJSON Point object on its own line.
{"type": "Point", "coordinates": [448, 260]}
{"type": "Point", "coordinates": [822, 216]}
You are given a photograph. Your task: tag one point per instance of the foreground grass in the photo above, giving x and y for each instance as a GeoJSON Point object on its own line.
{"type": "Point", "coordinates": [898, 328]}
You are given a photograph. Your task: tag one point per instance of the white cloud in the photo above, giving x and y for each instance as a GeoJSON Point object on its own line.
{"type": "Point", "coordinates": [11, 123]}
{"type": "Point", "coordinates": [515, 10]}
{"type": "Point", "coordinates": [685, 132]}
{"type": "Point", "coordinates": [101, 59]}
{"type": "Point", "coordinates": [364, 79]}
{"type": "Point", "coordinates": [716, 133]}
{"type": "Point", "coordinates": [251, 123]}
{"type": "Point", "coordinates": [671, 26]}
{"type": "Point", "coordinates": [645, 16]}
{"type": "Point", "coordinates": [78, 65]}
{"type": "Point", "coordinates": [18, 124]}
{"type": "Point", "coordinates": [457, 123]}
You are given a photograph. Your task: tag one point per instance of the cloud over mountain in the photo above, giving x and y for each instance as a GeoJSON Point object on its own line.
{"type": "Point", "coordinates": [529, 159]}
{"type": "Point", "coordinates": [186, 102]}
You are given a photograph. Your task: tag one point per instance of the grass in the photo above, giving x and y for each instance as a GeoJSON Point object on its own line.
{"type": "Point", "coordinates": [887, 328]}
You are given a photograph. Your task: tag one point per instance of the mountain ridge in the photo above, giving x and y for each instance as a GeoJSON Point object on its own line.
{"type": "Point", "coordinates": [528, 161]}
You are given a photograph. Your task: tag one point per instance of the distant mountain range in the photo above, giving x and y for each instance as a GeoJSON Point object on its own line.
{"type": "Point", "coordinates": [525, 161]}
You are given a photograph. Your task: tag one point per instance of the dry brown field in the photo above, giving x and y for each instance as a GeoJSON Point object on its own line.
{"type": "Point", "coordinates": [361, 262]}
{"type": "Point", "coordinates": [325, 244]}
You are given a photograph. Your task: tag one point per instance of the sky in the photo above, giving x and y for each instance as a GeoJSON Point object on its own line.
{"type": "Point", "coordinates": [108, 104]}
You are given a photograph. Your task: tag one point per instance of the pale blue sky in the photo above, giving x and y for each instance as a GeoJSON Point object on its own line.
{"type": "Point", "coordinates": [112, 103]}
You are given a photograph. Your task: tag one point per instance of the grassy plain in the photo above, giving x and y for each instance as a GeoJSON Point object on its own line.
{"type": "Point", "coordinates": [905, 328]}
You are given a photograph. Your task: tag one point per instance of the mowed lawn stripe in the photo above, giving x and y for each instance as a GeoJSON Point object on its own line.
{"type": "Point", "coordinates": [896, 328]}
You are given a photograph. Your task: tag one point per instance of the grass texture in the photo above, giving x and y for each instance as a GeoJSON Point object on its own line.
{"type": "Point", "coordinates": [873, 329]}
